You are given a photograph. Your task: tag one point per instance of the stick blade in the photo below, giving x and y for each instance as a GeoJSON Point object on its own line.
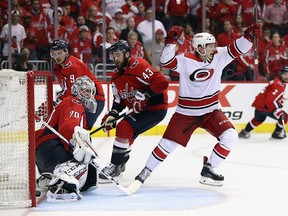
{"type": "Point", "coordinates": [132, 188]}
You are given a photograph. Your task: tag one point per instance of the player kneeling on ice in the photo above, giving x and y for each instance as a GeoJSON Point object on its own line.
{"type": "Point", "coordinates": [198, 100]}
{"type": "Point", "coordinates": [66, 167]}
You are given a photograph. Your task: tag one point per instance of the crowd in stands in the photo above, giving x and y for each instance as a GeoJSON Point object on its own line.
{"type": "Point", "coordinates": [80, 23]}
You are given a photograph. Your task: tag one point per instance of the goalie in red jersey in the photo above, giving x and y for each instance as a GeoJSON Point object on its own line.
{"type": "Point", "coordinates": [269, 102]}
{"type": "Point", "coordinates": [135, 85]}
{"type": "Point", "coordinates": [66, 168]}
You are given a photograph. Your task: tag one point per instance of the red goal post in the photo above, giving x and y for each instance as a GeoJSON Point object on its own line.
{"type": "Point", "coordinates": [21, 93]}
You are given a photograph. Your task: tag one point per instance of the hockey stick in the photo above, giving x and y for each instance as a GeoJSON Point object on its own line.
{"type": "Point", "coordinates": [119, 117]}
{"type": "Point", "coordinates": [256, 75]}
{"type": "Point", "coordinates": [92, 163]}
{"type": "Point", "coordinates": [283, 123]}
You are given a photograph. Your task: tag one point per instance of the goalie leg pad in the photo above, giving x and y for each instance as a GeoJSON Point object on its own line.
{"type": "Point", "coordinates": [68, 178]}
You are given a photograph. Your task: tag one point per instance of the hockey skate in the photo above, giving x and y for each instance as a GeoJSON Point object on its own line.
{"type": "Point", "coordinates": [278, 134]}
{"type": "Point", "coordinates": [56, 193]}
{"type": "Point", "coordinates": [244, 134]}
{"type": "Point", "coordinates": [143, 175]}
{"type": "Point", "coordinates": [111, 170]}
{"type": "Point", "coordinates": [209, 177]}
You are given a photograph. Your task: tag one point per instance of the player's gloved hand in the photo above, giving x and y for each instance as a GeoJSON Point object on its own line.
{"type": "Point", "coordinates": [254, 30]}
{"type": "Point", "coordinates": [173, 34]}
{"type": "Point", "coordinates": [278, 113]}
{"type": "Point", "coordinates": [81, 141]}
{"type": "Point", "coordinates": [109, 120]}
{"type": "Point", "coordinates": [140, 102]}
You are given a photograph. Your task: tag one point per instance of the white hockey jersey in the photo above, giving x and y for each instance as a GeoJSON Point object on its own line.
{"type": "Point", "coordinates": [199, 81]}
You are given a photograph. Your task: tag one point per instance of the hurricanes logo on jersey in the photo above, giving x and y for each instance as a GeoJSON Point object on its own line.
{"type": "Point", "coordinates": [201, 75]}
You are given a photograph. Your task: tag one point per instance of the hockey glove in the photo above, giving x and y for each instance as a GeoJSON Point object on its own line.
{"type": "Point", "coordinates": [278, 113]}
{"type": "Point", "coordinates": [254, 30]}
{"type": "Point", "coordinates": [82, 142]}
{"type": "Point", "coordinates": [109, 120]}
{"type": "Point", "coordinates": [173, 34]}
{"type": "Point", "coordinates": [140, 102]}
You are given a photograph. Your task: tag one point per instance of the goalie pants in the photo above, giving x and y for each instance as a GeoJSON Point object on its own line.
{"type": "Point", "coordinates": [49, 154]}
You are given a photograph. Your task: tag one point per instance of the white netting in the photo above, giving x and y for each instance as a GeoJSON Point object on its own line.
{"type": "Point", "coordinates": [14, 134]}
{"type": "Point", "coordinates": [14, 163]}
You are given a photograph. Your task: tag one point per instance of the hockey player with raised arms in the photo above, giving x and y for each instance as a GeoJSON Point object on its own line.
{"type": "Point", "coordinates": [138, 86]}
{"type": "Point", "coordinates": [67, 69]}
{"type": "Point", "coordinates": [67, 167]}
{"type": "Point", "coordinates": [198, 100]}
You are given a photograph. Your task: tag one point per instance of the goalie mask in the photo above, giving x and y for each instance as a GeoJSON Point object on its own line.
{"type": "Point", "coordinates": [84, 89]}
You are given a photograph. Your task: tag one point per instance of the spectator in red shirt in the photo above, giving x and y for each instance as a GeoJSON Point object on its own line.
{"type": "Point", "coordinates": [30, 41]}
{"type": "Point", "coordinates": [245, 8]}
{"type": "Point", "coordinates": [226, 10]}
{"type": "Point", "coordinates": [275, 57]}
{"type": "Point", "coordinates": [129, 9]}
{"type": "Point", "coordinates": [67, 20]}
{"type": "Point", "coordinates": [141, 15]}
{"type": "Point", "coordinates": [81, 46]}
{"type": "Point", "coordinates": [137, 50]}
{"type": "Point", "coordinates": [228, 36]}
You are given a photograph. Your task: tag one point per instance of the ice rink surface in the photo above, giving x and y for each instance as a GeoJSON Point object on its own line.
{"type": "Point", "coordinates": [256, 176]}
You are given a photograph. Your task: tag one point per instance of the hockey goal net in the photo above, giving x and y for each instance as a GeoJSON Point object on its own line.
{"type": "Point", "coordinates": [20, 95]}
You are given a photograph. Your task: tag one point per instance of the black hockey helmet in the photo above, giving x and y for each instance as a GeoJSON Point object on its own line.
{"type": "Point", "coordinates": [58, 45]}
{"type": "Point", "coordinates": [121, 45]}
{"type": "Point", "coordinates": [284, 69]}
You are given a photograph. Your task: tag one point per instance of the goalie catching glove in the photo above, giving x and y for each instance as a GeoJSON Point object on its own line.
{"type": "Point", "coordinates": [82, 142]}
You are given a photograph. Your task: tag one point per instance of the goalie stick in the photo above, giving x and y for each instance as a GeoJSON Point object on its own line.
{"type": "Point", "coordinates": [119, 117]}
{"type": "Point", "coordinates": [121, 187]}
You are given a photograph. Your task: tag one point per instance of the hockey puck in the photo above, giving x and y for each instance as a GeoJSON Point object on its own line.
{"type": "Point", "coordinates": [38, 193]}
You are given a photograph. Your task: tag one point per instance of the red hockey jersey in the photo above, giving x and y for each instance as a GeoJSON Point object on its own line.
{"type": "Point", "coordinates": [70, 71]}
{"type": "Point", "coordinates": [140, 75]}
{"type": "Point", "coordinates": [66, 115]}
{"type": "Point", "coordinates": [271, 97]}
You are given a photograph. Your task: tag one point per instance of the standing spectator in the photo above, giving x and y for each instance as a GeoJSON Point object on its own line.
{"type": "Point", "coordinates": [38, 21]}
{"type": "Point", "coordinates": [239, 24]}
{"type": "Point", "coordinates": [210, 9]}
{"type": "Point", "coordinates": [198, 103]}
{"type": "Point", "coordinates": [145, 27]}
{"type": "Point", "coordinates": [91, 18]}
{"type": "Point", "coordinates": [67, 20]}
{"type": "Point", "coordinates": [137, 50]}
{"type": "Point", "coordinates": [263, 42]}
{"type": "Point", "coordinates": [30, 41]}
{"type": "Point", "coordinates": [118, 22]}
{"type": "Point", "coordinates": [97, 39]}
{"type": "Point", "coordinates": [141, 15]}
{"type": "Point", "coordinates": [62, 31]}
{"type": "Point", "coordinates": [192, 17]}
{"type": "Point", "coordinates": [85, 5]}
{"type": "Point", "coordinates": [67, 69]}
{"type": "Point", "coordinates": [129, 9]}
{"type": "Point", "coordinates": [137, 86]}
{"type": "Point", "coordinates": [79, 22]}
{"type": "Point", "coordinates": [276, 17]}
{"type": "Point", "coordinates": [113, 5]}
{"type": "Point", "coordinates": [110, 39]}
{"type": "Point", "coordinates": [275, 57]}
{"type": "Point", "coordinates": [269, 103]}
{"type": "Point", "coordinates": [223, 39]}
{"type": "Point", "coordinates": [131, 26]}
{"type": "Point", "coordinates": [175, 12]}
{"type": "Point", "coordinates": [18, 35]}
{"type": "Point", "coordinates": [159, 46]}
{"type": "Point", "coordinates": [81, 46]}
{"type": "Point", "coordinates": [226, 10]}
{"type": "Point", "coordinates": [246, 8]}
